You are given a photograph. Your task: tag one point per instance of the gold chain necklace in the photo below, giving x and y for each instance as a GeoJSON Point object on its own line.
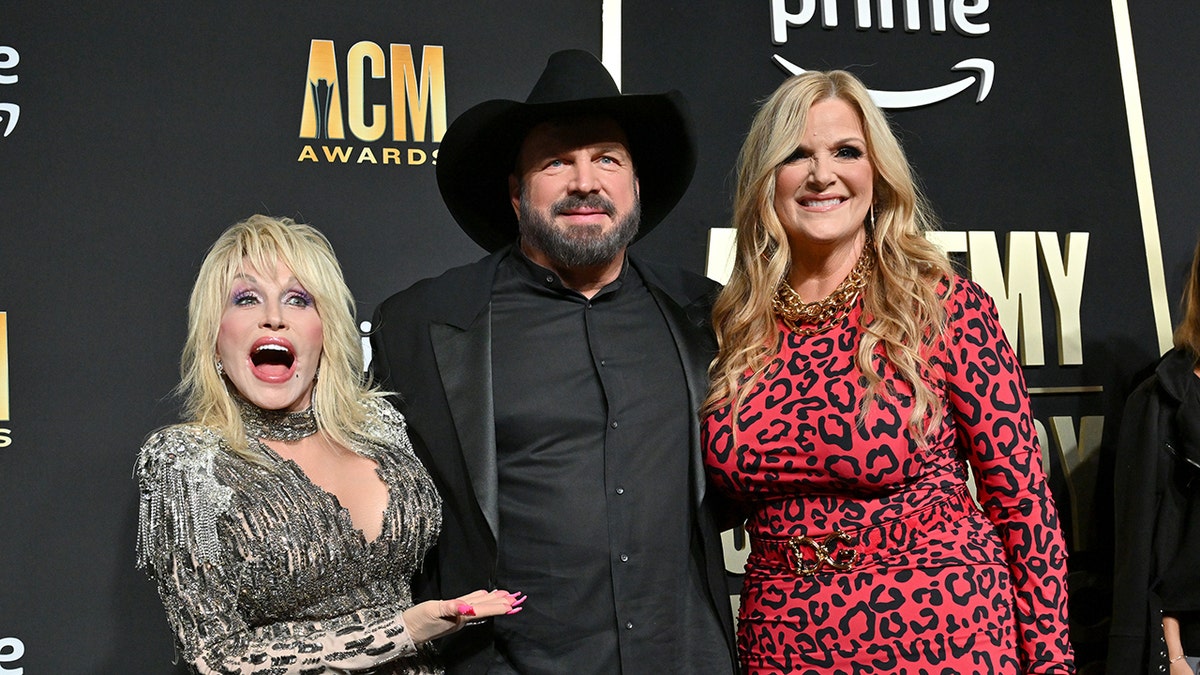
{"type": "Point", "coordinates": [811, 318]}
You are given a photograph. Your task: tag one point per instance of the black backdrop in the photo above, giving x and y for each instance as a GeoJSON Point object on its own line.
{"type": "Point", "coordinates": [145, 130]}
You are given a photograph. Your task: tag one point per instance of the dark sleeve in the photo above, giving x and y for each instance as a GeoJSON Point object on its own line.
{"type": "Point", "coordinates": [1135, 502]}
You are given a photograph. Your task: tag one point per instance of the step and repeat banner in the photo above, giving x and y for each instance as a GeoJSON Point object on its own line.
{"type": "Point", "coordinates": [1055, 140]}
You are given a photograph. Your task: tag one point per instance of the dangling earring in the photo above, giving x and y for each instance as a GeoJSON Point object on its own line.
{"type": "Point", "coordinates": [220, 369]}
{"type": "Point", "coordinates": [871, 227]}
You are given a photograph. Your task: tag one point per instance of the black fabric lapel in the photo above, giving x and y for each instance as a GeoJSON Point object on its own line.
{"type": "Point", "coordinates": [464, 363]}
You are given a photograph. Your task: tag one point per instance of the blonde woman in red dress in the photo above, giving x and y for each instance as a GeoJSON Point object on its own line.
{"type": "Point", "coordinates": [857, 380]}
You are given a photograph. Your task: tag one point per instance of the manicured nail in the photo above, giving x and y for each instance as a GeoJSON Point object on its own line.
{"type": "Point", "coordinates": [517, 601]}
{"type": "Point", "coordinates": [466, 610]}
{"type": "Point", "coordinates": [514, 610]}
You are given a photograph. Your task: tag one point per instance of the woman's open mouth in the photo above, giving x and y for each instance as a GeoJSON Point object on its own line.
{"type": "Point", "coordinates": [272, 360]}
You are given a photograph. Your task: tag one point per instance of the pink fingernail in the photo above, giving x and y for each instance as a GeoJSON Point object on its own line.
{"type": "Point", "coordinates": [466, 610]}
{"type": "Point", "coordinates": [518, 601]}
{"type": "Point", "coordinates": [514, 610]}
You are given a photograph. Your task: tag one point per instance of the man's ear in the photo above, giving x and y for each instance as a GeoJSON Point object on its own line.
{"type": "Point", "coordinates": [514, 193]}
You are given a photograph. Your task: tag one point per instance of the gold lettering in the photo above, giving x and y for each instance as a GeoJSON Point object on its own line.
{"type": "Point", "coordinates": [1066, 287]}
{"type": "Point", "coordinates": [722, 248]}
{"type": "Point", "coordinates": [736, 545]}
{"type": "Point", "coordinates": [1017, 291]}
{"type": "Point", "coordinates": [4, 366]}
{"type": "Point", "coordinates": [1015, 288]}
{"type": "Point", "coordinates": [424, 104]}
{"type": "Point", "coordinates": [1080, 457]}
{"type": "Point", "coordinates": [322, 78]}
{"type": "Point", "coordinates": [308, 154]}
{"type": "Point", "coordinates": [337, 153]}
{"type": "Point", "coordinates": [416, 156]}
{"type": "Point", "coordinates": [367, 156]}
{"type": "Point", "coordinates": [360, 54]}
{"type": "Point", "coordinates": [392, 156]}
{"type": "Point", "coordinates": [1014, 284]}
{"type": "Point", "coordinates": [950, 242]}
{"type": "Point", "coordinates": [5, 438]}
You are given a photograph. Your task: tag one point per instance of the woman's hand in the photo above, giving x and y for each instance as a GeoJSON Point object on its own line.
{"type": "Point", "coordinates": [433, 619]}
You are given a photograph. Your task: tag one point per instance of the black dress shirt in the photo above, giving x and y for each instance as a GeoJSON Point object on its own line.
{"type": "Point", "coordinates": [592, 456]}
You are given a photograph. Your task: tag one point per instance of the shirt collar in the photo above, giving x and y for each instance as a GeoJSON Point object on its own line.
{"type": "Point", "coordinates": [544, 277]}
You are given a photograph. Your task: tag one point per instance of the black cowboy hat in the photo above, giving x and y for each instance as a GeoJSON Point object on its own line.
{"type": "Point", "coordinates": [479, 150]}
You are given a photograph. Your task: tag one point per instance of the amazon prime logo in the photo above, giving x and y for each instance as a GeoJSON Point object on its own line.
{"type": "Point", "coordinates": [963, 15]}
{"type": "Point", "coordinates": [11, 651]}
{"type": "Point", "coordinates": [9, 112]}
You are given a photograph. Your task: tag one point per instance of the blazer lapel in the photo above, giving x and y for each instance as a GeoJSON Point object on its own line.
{"type": "Point", "coordinates": [694, 353]}
{"type": "Point", "coordinates": [464, 362]}
{"type": "Point", "coordinates": [462, 350]}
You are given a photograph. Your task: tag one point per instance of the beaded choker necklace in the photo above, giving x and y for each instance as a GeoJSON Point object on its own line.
{"type": "Point", "coordinates": [275, 425]}
{"type": "Point", "coordinates": [811, 318]}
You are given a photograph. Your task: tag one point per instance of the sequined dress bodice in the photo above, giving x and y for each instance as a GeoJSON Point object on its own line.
{"type": "Point", "coordinates": [257, 563]}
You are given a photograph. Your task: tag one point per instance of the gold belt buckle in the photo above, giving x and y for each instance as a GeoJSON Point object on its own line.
{"type": "Point", "coordinates": [823, 554]}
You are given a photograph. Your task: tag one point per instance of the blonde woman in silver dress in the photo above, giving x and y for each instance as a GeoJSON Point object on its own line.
{"type": "Point", "coordinates": [283, 522]}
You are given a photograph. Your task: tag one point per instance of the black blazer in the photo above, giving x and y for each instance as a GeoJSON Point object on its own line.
{"type": "Point", "coordinates": [1157, 494]}
{"type": "Point", "coordinates": [432, 345]}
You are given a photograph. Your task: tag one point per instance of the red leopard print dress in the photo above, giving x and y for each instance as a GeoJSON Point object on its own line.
{"type": "Point", "coordinates": [932, 584]}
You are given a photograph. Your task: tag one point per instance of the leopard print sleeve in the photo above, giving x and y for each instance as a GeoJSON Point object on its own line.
{"type": "Point", "coordinates": [991, 410]}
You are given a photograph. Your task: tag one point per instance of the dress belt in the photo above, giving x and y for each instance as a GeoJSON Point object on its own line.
{"type": "Point", "coordinates": [842, 550]}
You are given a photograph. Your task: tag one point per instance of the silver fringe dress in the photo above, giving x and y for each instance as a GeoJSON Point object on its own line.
{"type": "Point", "coordinates": [261, 571]}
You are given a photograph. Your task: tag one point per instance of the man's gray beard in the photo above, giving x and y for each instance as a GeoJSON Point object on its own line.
{"type": "Point", "coordinates": [581, 245]}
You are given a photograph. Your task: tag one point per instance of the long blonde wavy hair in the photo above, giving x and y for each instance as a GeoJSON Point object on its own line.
{"type": "Point", "coordinates": [340, 396]}
{"type": "Point", "coordinates": [904, 311]}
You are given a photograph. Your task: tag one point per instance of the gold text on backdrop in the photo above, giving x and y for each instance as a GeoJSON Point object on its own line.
{"type": "Point", "coordinates": [413, 104]}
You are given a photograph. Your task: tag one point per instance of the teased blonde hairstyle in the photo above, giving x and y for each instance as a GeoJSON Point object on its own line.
{"type": "Point", "coordinates": [1187, 333]}
{"type": "Point", "coordinates": [263, 242]}
{"type": "Point", "coordinates": [903, 309]}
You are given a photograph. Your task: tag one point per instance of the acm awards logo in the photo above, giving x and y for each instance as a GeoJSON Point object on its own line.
{"type": "Point", "coordinates": [375, 110]}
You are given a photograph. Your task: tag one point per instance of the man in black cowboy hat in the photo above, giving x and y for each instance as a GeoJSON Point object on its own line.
{"type": "Point", "coordinates": [552, 387]}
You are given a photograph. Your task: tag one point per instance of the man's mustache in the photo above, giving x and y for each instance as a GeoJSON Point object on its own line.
{"type": "Point", "coordinates": [573, 202]}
